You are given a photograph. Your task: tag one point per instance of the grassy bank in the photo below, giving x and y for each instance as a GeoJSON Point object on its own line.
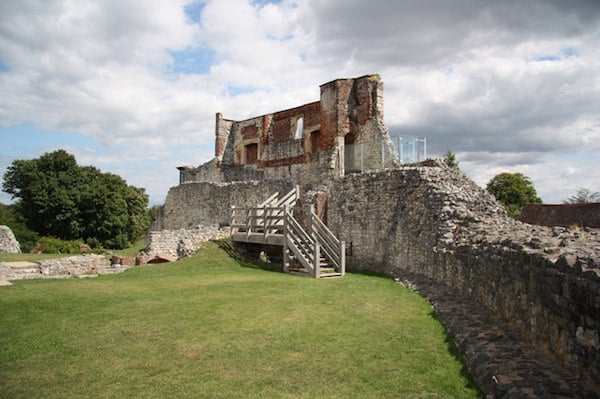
{"type": "Point", "coordinates": [211, 327]}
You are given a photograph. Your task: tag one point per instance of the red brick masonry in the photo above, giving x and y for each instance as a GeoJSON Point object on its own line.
{"type": "Point", "coordinates": [566, 215]}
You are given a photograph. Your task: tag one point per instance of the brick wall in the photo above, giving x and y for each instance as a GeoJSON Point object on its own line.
{"type": "Point", "coordinates": [349, 111]}
{"type": "Point", "coordinates": [582, 215]}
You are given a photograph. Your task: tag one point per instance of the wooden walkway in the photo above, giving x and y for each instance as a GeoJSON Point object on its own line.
{"type": "Point", "coordinates": [311, 249]}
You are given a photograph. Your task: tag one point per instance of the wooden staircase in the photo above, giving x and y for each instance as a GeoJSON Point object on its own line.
{"type": "Point", "coordinates": [311, 250]}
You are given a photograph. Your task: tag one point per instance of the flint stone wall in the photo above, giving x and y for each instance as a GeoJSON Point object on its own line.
{"type": "Point", "coordinates": [180, 243]}
{"type": "Point", "coordinates": [8, 242]}
{"type": "Point", "coordinates": [201, 203]}
{"type": "Point", "coordinates": [434, 222]}
{"type": "Point", "coordinates": [72, 266]}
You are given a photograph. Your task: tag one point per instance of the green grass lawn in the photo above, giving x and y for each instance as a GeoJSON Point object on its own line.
{"type": "Point", "coordinates": [214, 327]}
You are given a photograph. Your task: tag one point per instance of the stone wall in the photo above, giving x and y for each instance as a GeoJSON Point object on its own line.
{"type": "Point", "coordinates": [202, 203]}
{"type": "Point", "coordinates": [434, 222]}
{"type": "Point", "coordinates": [72, 266]}
{"type": "Point", "coordinates": [8, 242]}
{"type": "Point", "coordinates": [179, 243]}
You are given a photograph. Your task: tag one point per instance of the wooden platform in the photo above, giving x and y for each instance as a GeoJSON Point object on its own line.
{"type": "Point", "coordinates": [258, 238]}
{"type": "Point", "coordinates": [311, 244]}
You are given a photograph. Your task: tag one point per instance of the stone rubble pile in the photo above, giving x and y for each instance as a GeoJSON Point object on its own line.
{"type": "Point", "coordinates": [8, 242]}
{"type": "Point", "coordinates": [501, 363]}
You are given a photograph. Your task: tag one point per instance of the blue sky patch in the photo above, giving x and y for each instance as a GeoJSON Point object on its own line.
{"type": "Point", "coordinates": [567, 52]}
{"type": "Point", "coordinates": [547, 58]}
{"type": "Point", "coordinates": [193, 11]}
{"type": "Point", "coordinates": [192, 61]}
{"type": "Point", "coordinates": [234, 90]}
{"type": "Point", "coordinates": [262, 3]}
{"type": "Point", "coordinates": [3, 67]}
{"type": "Point", "coordinates": [28, 141]}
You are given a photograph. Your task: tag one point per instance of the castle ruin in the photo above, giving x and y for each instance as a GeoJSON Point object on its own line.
{"type": "Point", "coordinates": [416, 222]}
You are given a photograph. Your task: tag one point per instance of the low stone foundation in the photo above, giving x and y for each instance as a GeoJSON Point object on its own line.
{"type": "Point", "coordinates": [72, 266]}
{"type": "Point", "coordinates": [181, 243]}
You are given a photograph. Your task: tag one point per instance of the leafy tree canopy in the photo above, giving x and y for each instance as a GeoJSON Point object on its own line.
{"type": "Point", "coordinates": [513, 190]}
{"type": "Point", "coordinates": [58, 198]}
{"type": "Point", "coordinates": [583, 195]}
{"type": "Point", "coordinates": [10, 217]}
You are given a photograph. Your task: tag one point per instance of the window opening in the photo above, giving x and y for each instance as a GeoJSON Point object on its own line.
{"type": "Point", "coordinates": [314, 141]}
{"type": "Point", "coordinates": [251, 153]}
{"type": "Point", "coordinates": [299, 128]}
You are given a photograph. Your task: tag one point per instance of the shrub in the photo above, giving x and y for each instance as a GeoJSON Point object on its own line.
{"type": "Point", "coordinates": [51, 245]}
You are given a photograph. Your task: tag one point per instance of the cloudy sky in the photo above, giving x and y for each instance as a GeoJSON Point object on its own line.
{"type": "Point", "coordinates": [132, 87]}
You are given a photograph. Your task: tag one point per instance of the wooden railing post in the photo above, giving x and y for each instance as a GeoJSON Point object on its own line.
{"type": "Point", "coordinates": [317, 255]}
{"type": "Point", "coordinates": [343, 257]}
{"type": "Point", "coordinates": [248, 221]}
{"type": "Point", "coordinates": [311, 213]}
{"type": "Point", "coordinates": [286, 254]}
{"type": "Point", "coordinates": [264, 222]}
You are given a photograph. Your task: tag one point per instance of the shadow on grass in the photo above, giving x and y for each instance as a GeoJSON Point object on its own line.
{"type": "Point", "coordinates": [455, 352]}
{"type": "Point", "coordinates": [244, 260]}
{"type": "Point", "coordinates": [373, 274]}
{"type": "Point", "coordinates": [418, 284]}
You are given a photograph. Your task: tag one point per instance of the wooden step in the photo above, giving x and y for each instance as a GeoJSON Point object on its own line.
{"type": "Point", "coordinates": [327, 275]}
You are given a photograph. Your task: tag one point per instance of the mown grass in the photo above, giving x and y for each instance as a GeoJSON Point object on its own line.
{"type": "Point", "coordinates": [133, 250]}
{"type": "Point", "coordinates": [214, 327]}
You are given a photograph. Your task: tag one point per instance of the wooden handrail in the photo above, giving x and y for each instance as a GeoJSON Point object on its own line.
{"type": "Point", "coordinates": [290, 198]}
{"type": "Point", "coordinates": [332, 248]}
{"type": "Point", "coordinates": [276, 218]}
{"type": "Point", "coordinates": [272, 198]}
{"type": "Point", "coordinates": [294, 230]}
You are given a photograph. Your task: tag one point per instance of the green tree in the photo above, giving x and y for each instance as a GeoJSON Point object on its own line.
{"type": "Point", "coordinates": [583, 195]}
{"type": "Point", "coordinates": [513, 190]}
{"type": "Point", "coordinates": [450, 160]}
{"type": "Point", "coordinates": [10, 217]}
{"type": "Point", "coordinates": [58, 198]}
